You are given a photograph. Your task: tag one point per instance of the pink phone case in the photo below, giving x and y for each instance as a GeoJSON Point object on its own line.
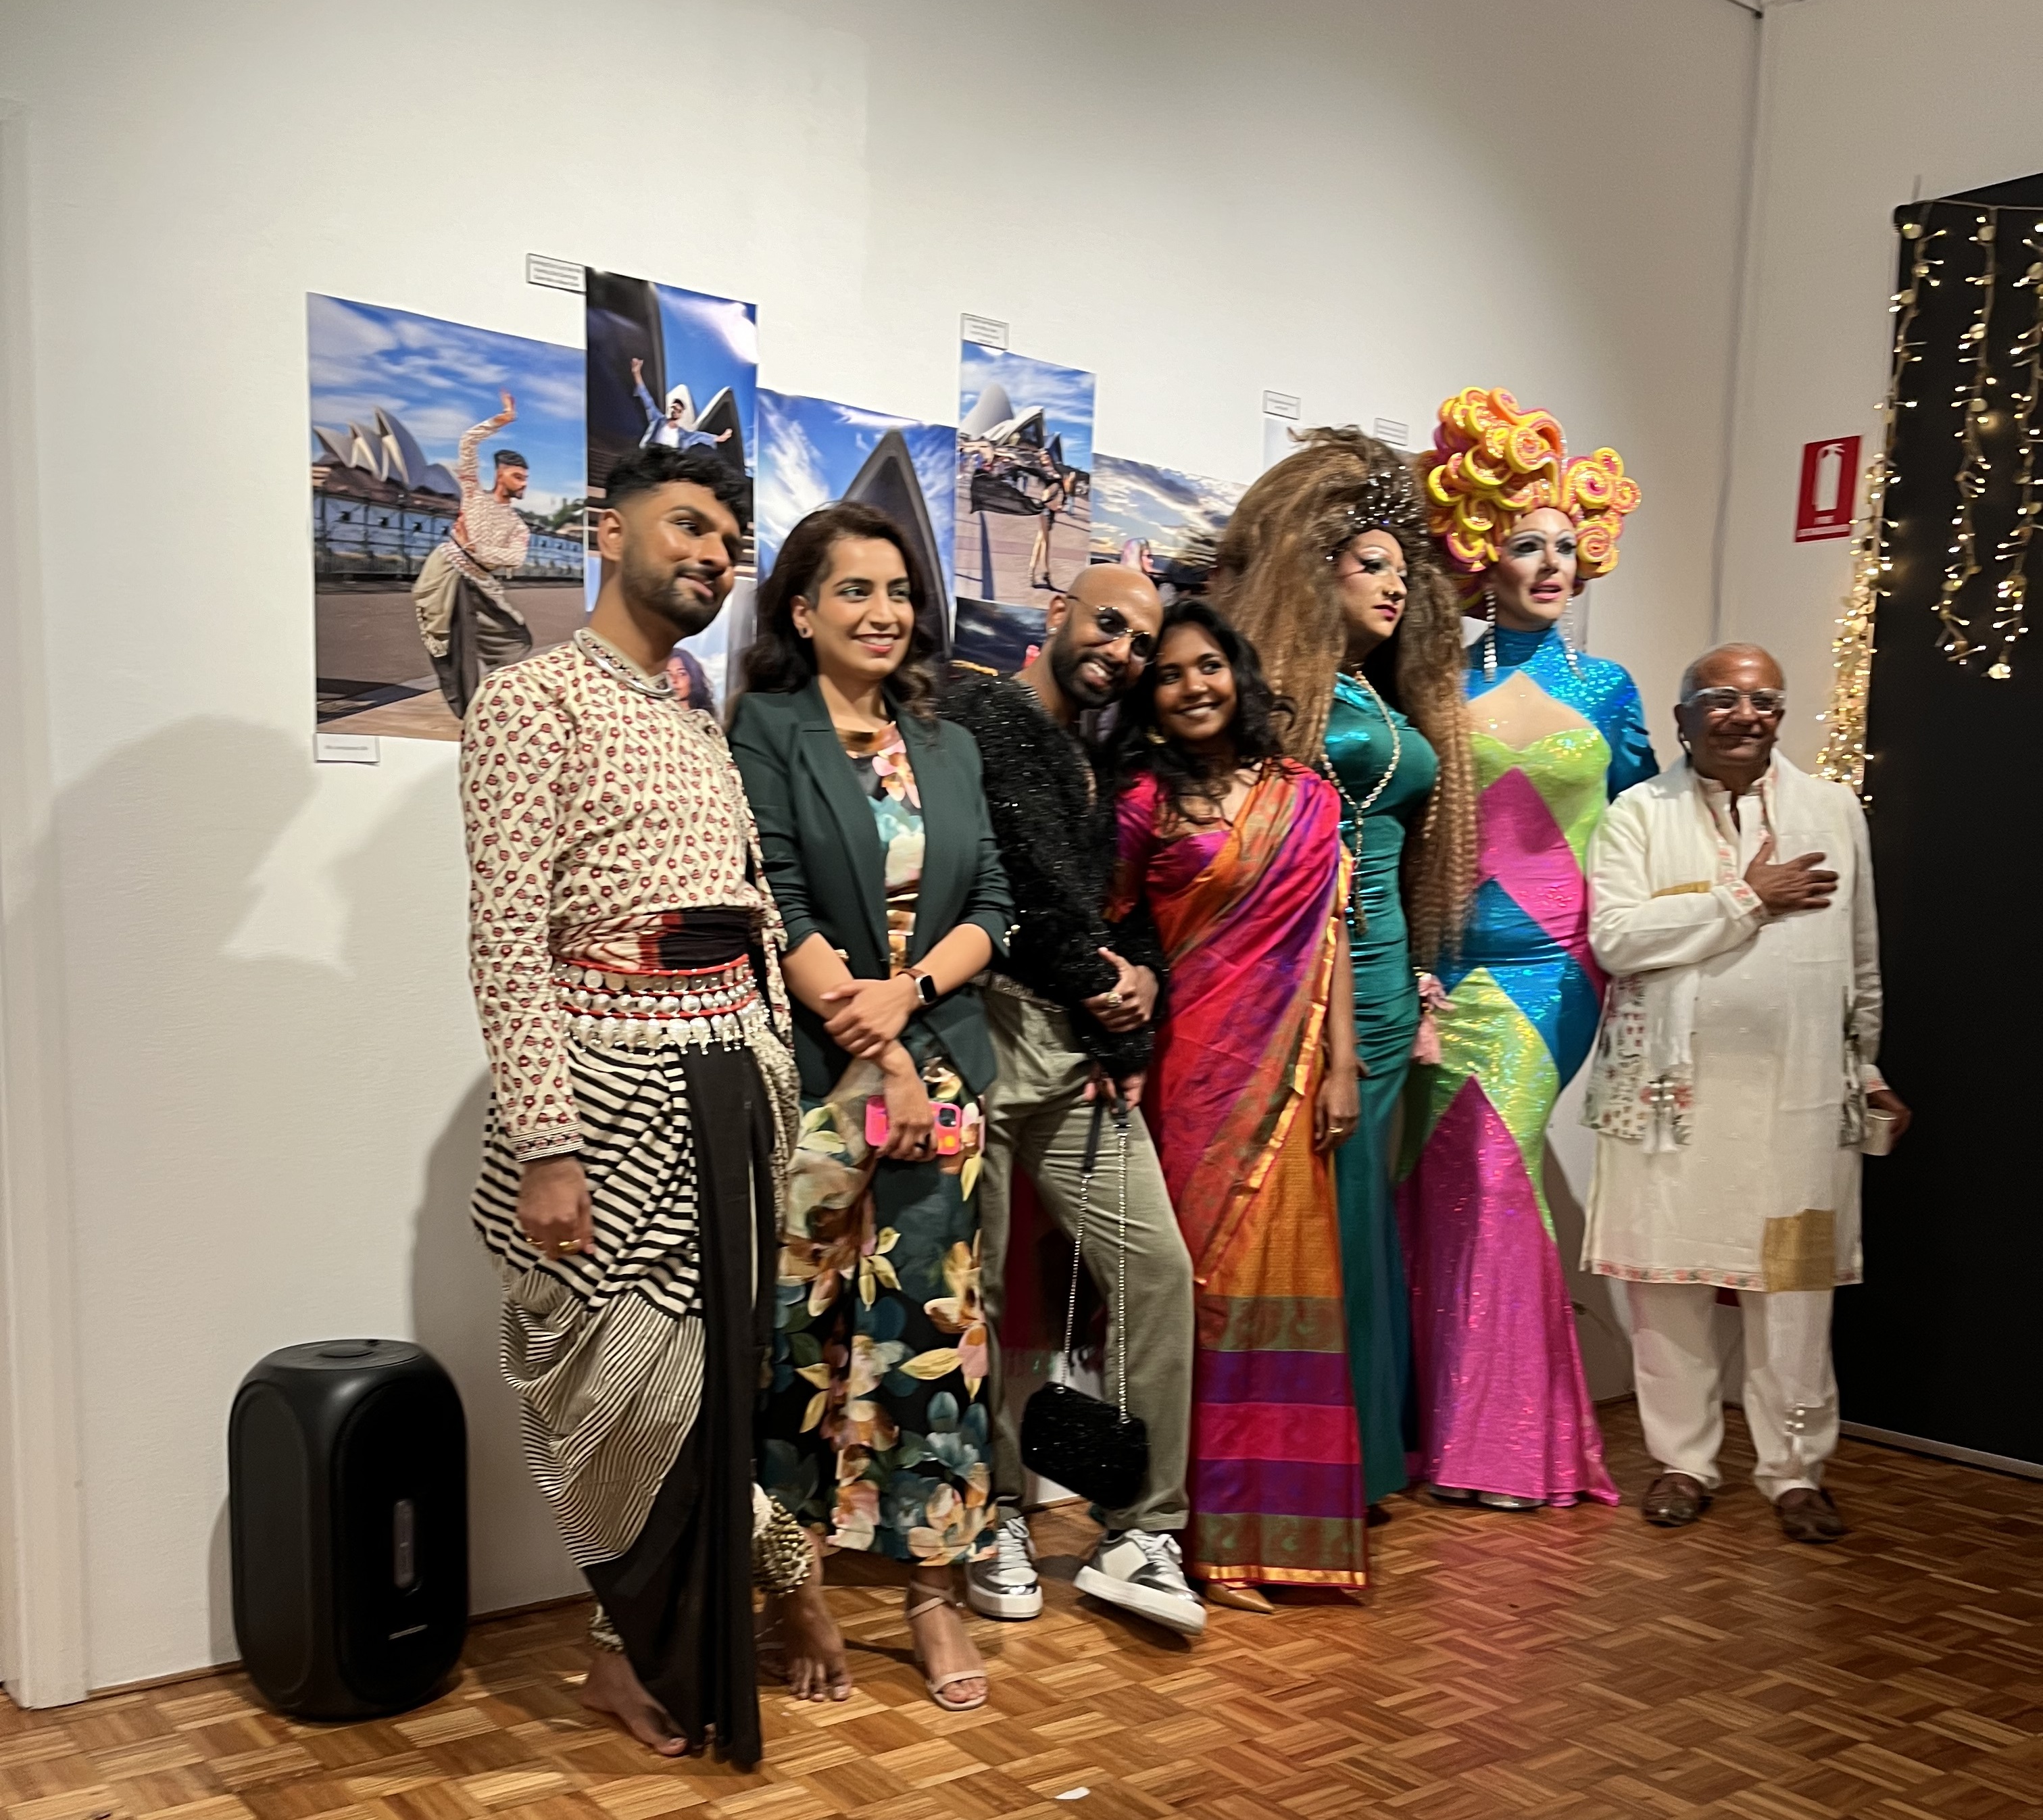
{"type": "Point", "coordinates": [950, 1132]}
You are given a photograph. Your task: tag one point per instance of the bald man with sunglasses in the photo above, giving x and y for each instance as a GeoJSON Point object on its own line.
{"type": "Point", "coordinates": [1070, 1015]}
{"type": "Point", "coordinates": [1730, 901]}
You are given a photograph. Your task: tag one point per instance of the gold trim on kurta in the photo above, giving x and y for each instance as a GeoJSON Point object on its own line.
{"type": "Point", "coordinates": [1800, 1250]}
{"type": "Point", "coordinates": [1683, 891]}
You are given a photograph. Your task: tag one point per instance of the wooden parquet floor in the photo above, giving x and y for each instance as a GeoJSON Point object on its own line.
{"type": "Point", "coordinates": [1572, 1664]}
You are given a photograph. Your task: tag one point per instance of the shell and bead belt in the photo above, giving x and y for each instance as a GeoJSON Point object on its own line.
{"type": "Point", "coordinates": [703, 1008]}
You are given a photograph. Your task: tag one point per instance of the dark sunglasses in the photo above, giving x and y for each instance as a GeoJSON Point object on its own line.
{"type": "Point", "coordinates": [1767, 701]}
{"type": "Point", "coordinates": [1113, 624]}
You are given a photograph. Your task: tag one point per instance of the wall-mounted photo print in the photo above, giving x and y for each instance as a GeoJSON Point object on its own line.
{"type": "Point", "coordinates": [1166, 523]}
{"type": "Point", "coordinates": [447, 467]}
{"type": "Point", "coordinates": [675, 368]}
{"type": "Point", "coordinates": [813, 452]}
{"type": "Point", "coordinates": [1024, 505]}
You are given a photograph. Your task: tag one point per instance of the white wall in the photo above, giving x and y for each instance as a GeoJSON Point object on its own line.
{"type": "Point", "coordinates": [272, 1077]}
{"type": "Point", "coordinates": [1868, 105]}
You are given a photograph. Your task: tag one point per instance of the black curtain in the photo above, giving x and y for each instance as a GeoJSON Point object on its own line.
{"type": "Point", "coordinates": [1939, 1342]}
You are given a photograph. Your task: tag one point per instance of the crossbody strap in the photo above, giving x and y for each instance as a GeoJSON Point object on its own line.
{"type": "Point", "coordinates": [1087, 1168]}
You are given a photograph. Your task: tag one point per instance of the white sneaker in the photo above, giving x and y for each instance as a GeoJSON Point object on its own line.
{"type": "Point", "coordinates": [1141, 1570]}
{"type": "Point", "coordinates": [1005, 1585]}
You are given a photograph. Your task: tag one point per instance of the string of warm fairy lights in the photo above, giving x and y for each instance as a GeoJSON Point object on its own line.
{"type": "Point", "coordinates": [1975, 350]}
{"type": "Point", "coordinates": [1842, 758]}
{"type": "Point", "coordinates": [2010, 612]}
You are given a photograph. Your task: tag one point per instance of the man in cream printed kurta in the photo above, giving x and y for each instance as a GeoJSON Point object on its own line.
{"type": "Point", "coordinates": [1731, 903]}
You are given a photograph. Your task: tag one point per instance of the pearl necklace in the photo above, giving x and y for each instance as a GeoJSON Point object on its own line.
{"type": "Point", "coordinates": [1358, 810]}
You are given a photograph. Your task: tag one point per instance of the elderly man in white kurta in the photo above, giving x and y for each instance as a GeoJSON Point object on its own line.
{"type": "Point", "coordinates": [1732, 1076]}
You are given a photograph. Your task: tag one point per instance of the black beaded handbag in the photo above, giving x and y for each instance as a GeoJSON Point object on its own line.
{"type": "Point", "coordinates": [1095, 1449]}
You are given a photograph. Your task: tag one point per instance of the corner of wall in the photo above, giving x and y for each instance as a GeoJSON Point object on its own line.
{"type": "Point", "coordinates": [42, 1572]}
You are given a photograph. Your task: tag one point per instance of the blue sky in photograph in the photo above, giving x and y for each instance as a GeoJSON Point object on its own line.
{"type": "Point", "coordinates": [442, 377]}
{"type": "Point", "coordinates": [1135, 499]}
{"type": "Point", "coordinates": [1065, 394]}
{"type": "Point", "coordinates": [710, 343]}
{"type": "Point", "coordinates": [811, 448]}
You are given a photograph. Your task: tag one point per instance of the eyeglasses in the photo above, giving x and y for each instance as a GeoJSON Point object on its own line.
{"type": "Point", "coordinates": [1113, 626]}
{"type": "Point", "coordinates": [1766, 702]}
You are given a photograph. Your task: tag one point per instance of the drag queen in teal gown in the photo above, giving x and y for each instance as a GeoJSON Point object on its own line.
{"type": "Point", "coordinates": [1385, 768]}
{"type": "Point", "coordinates": [1327, 568]}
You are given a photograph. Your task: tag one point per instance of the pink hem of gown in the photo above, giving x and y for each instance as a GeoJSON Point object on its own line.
{"type": "Point", "coordinates": [1503, 1406]}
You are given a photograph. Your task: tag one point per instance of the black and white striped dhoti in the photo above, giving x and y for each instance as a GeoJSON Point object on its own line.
{"type": "Point", "coordinates": [636, 1368]}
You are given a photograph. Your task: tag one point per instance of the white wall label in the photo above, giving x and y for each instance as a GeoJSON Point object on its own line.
{"type": "Point", "coordinates": [555, 274]}
{"type": "Point", "coordinates": [346, 748]}
{"type": "Point", "coordinates": [983, 330]}
{"type": "Point", "coordinates": [1281, 404]}
{"type": "Point", "coordinates": [1388, 430]}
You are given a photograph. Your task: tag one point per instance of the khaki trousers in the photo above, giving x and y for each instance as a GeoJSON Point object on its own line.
{"type": "Point", "coordinates": [1036, 1120]}
{"type": "Point", "coordinates": [1790, 1394]}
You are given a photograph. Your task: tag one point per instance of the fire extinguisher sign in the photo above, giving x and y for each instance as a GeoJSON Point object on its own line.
{"type": "Point", "coordinates": [1830, 487]}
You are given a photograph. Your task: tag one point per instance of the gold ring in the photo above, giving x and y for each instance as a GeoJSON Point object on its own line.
{"type": "Point", "coordinates": [1114, 1001]}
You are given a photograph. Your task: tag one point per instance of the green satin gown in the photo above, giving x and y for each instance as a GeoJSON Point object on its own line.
{"type": "Point", "coordinates": [1386, 1017]}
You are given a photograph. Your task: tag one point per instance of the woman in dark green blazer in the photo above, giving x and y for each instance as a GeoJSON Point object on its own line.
{"type": "Point", "coordinates": [883, 861]}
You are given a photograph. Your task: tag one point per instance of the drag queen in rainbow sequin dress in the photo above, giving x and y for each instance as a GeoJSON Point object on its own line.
{"type": "Point", "coordinates": [1504, 1412]}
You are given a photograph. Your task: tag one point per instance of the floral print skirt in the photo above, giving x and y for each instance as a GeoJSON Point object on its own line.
{"type": "Point", "coordinates": [874, 1426]}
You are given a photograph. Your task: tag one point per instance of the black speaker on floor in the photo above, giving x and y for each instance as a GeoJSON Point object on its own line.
{"type": "Point", "coordinates": [347, 1473]}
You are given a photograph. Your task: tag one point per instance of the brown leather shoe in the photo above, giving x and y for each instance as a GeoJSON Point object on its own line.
{"type": "Point", "coordinates": [1238, 1596]}
{"type": "Point", "coordinates": [1673, 1500]}
{"type": "Point", "coordinates": [1807, 1515]}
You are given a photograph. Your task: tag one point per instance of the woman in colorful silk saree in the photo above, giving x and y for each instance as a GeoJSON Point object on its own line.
{"type": "Point", "coordinates": [1237, 851]}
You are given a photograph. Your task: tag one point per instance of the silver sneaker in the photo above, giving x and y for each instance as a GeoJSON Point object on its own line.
{"type": "Point", "coordinates": [1141, 1570]}
{"type": "Point", "coordinates": [1005, 1585]}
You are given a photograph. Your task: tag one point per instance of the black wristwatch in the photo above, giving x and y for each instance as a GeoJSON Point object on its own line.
{"type": "Point", "coordinates": [926, 987]}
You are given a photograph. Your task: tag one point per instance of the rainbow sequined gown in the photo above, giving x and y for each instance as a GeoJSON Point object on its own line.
{"type": "Point", "coordinates": [1502, 1405]}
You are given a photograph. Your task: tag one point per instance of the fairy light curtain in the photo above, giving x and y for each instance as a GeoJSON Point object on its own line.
{"type": "Point", "coordinates": [1946, 543]}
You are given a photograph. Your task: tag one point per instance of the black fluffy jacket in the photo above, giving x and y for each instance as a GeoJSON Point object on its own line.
{"type": "Point", "coordinates": [1055, 831]}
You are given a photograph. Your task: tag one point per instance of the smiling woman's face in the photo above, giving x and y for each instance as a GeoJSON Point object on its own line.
{"type": "Point", "coordinates": [861, 613]}
{"type": "Point", "coordinates": [1194, 699]}
{"type": "Point", "coordinates": [1535, 579]}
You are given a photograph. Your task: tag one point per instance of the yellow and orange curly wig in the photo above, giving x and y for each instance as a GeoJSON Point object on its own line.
{"type": "Point", "coordinates": [1491, 463]}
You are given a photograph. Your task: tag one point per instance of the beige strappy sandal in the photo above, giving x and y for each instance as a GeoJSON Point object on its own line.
{"type": "Point", "coordinates": [936, 1683]}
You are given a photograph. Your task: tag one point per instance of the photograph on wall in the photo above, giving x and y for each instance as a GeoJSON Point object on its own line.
{"type": "Point", "coordinates": [447, 467]}
{"type": "Point", "coordinates": [1024, 499]}
{"type": "Point", "coordinates": [813, 452]}
{"type": "Point", "coordinates": [677, 368]}
{"type": "Point", "coordinates": [1166, 523]}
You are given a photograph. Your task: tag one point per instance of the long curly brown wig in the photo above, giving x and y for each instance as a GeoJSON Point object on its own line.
{"type": "Point", "coordinates": [1274, 578]}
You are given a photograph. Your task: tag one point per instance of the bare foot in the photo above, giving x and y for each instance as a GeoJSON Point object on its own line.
{"type": "Point", "coordinates": [944, 1644]}
{"type": "Point", "coordinates": [812, 1647]}
{"type": "Point", "coordinates": [612, 1687]}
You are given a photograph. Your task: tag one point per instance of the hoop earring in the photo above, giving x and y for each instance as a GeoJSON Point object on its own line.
{"type": "Point", "coordinates": [1490, 636]}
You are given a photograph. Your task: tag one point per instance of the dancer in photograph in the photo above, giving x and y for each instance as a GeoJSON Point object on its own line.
{"type": "Point", "coordinates": [624, 952]}
{"type": "Point", "coordinates": [465, 617]}
{"type": "Point", "coordinates": [1070, 1009]}
{"type": "Point", "coordinates": [874, 824]}
{"type": "Point", "coordinates": [1056, 495]}
{"type": "Point", "coordinates": [1504, 1414]}
{"type": "Point", "coordinates": [1326, 569]}
{"type": "Point", "coordinates": [1235, 851]}
{"type": "Point", "coordinates": [1732, 902]}
{"type": "Point", "coordinates": [675, 426]}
